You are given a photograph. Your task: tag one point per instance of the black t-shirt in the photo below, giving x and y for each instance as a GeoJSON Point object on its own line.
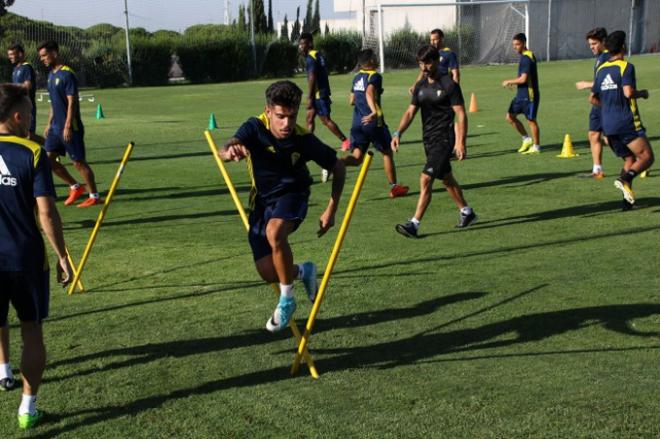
{"type": "Point", "coordinates": [436, 100]}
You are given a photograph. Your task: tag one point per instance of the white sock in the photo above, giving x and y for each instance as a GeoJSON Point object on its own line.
{"type": "Point", "coordinates": [526, 138]}
{"type": "Point", "coordinates": [301, 271]}
{"type": "Point", "coordinates": [467, 210]}
{"type": "Point", "coordinates": [95, 195]}
{"type": "Point", "coordinates": [28, 405]}
{"type": "Point", "coordinates": [5, 371]}
{"type": "Point", "coordinates": [415, 221]}
{"type": "Point", "coordinates": [75, 186]}
{"type": "Point", "coordinates": [596, 169]}
{"type": "Point", "coordinates": [286, 291]}
{"type": "Point", "coordinates": [535, 146]}
{"type": "Point", "coordinates": [393, 185]}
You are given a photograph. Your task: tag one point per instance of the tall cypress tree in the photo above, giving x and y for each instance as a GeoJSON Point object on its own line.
{"type": "Point", "coordinates": [271, 26]}
{"type": "Point", "coordinates": [295, 32]}
{"type": "Point", "coordinates": [284, 30]}
{"type": "Point", "coordinates": [307, 23]}
{"type": "Point", "coordinates": [242, 24]}
{"type": "Point", "coordinates": [316, 19]}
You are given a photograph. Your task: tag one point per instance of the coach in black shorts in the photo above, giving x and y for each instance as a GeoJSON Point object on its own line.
{"type": "Point", "coordinates": [440, 99]}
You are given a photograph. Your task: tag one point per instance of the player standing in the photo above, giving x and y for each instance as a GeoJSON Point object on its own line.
{"type": "Point", "coordinates": [23, 75]}
{"type": "Point", "coordinates": [448, 63]}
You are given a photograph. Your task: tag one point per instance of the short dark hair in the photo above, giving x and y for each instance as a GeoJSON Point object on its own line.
{"type": "Point", "coordinates": [615, 42]}
{"type": "Point", "coordinates": [597, 33]}
{"type": "Point", "coordinates": [520, 37]}
{"type": "Point", "coordinates": [15, 47]}
{"type": "Point", "coordinates": [367, 56]}
{"type": "Point", "coordinates": [10, 96]}
{"type": "Point", "coordinates": [438, 32]}
{"type": "Point", "coordinates": [307, 37]}
{"type": "Point", "coordinates": [427, 53]}
{"type": "Point", "coordinates": [283, 93]}
{"type": "Point", "coordinates": [49, 45]}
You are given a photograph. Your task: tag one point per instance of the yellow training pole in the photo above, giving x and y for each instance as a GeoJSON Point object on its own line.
{"type": "Point", "coordinates": [241, 211]}
{"type": "Point", "coordinates": [331, 262]}
{"type": "Point", "coordinates": [80, 285]}
{"type": "Point", "coordinates": [101, 216]}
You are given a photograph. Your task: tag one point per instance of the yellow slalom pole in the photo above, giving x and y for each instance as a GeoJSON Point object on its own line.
{"type": "Point", "coordinates": [101, 217]}
{"type": "Point", "coordinates": [331, 262]}
{"type": "Point", "coordinates": [244, 218]}
{"type": "Point", "coordinates": [80, 285]}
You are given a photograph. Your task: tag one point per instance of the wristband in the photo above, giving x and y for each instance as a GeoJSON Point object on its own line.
{"type": "Point", "coordinates": [396, 134]}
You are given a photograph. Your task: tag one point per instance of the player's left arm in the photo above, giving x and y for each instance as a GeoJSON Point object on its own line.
{"type": "Point", "coordinates": [370, 94]}
{"type": "Point", "coordinates": [583, 85]}
{"type": "Point", "coordinates": [351, 98]}
{"type": "Point", "coordinates": [461, 131]}
{"type": "Point", "coordinates": [522, 79]}
{"type": "Point", "coordinates": [327, 219]}
{"type": "Point", "coordinates": [629, 84]}
{"type": "Point", "coordinates": [453, 68]}
{"type": "Point", "coordinates": [71, 90]}
{"type": "Point", "coordinates": [233, 150]}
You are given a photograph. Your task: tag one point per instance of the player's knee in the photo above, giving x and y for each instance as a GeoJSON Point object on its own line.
{"type": "Point", "coordinates": [509, 118]}
{"type": "Point", "coordinates": [276, 236]}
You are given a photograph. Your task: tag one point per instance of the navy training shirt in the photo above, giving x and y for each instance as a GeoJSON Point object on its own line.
{"type": "Point", "coordinates": [448, 61]}
{"type": "Point", "coordinates": [61, 84]}
{"type": "Point", "coordinates": [619, 114]}
{"type": "Point", "coordinates": [361, 82]}
{"type": "Point", "coordinates": [530, 89]}
{"type": "Point", "coordinates": [315, 63]}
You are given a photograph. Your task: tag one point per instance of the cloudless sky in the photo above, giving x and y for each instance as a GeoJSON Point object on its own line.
{"type": "Point", "coordinates": [153, 14]}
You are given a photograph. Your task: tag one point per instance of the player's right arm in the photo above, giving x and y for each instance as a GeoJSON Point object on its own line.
{"type": "Point", "coordinates": [419, 78]}
{"type": "Point", "coordinates": [351, 99]}
{"type": "Point", "coordinates": [405, 122]}
{"type": "Point", "coordinates": [51, 223]}
{"type": "Point", "coordinates": [233, 150]}
{"type": "Point", "coordinates": [583, 85]}
{"type": "Point", "coordinates": [50, 121]}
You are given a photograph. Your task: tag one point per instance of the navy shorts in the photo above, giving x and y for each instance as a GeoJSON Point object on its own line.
{"type": "Point", "coordinates": [439, 152]}
{"type": "Point", "coordinates": [619, 142]}
{"type": "Point", "coordinates": [75, 148]}
{"type": "Point", "coordinates": [33, 124]}
{"type": "Point", "coordinates": [28, 292]}
{"type": "Point", "coordinates": [322, 106]}
{"type": "Point", "coordinates": [364, 135]}
{"type": "Point", "coordinates": [595, 123]}
{"type": "Point", "coordinates": [290, 207]}
{"type": "Point", "coordinates": [524, 106]}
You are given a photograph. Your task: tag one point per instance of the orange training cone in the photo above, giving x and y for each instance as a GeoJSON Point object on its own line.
{"type": "Point", "coordinates": [567, 150]}
{"type": "Point", "coordinates": [473, 103]}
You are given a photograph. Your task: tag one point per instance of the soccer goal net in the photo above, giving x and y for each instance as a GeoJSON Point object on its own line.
{"type": "Point", "coordinates": [480, 32]}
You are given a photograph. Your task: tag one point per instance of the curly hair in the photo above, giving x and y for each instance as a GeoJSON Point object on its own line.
{"type": "Point", "coordinates": [283, 93]}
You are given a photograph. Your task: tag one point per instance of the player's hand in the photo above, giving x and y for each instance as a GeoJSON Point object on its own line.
{"type": "Point", "coordinates": [581, 85]}
{"type": "Point", "coordinates": [326, 221]}
{"type": "Point", "coordinates": [46, 130]}
{"type": "Point", "coordinates": [506, 83]}
{"type": "Point", "coordinates": [310, 104]}
{"type": "Point", "coordinates": [395, 143]}
{"type": "Point", "coordinates": [459, 152]}
{"type": "Point", "coordinates": [366, 120]}
{"type": "Point", "coordinates": [67, 134]}
{"type": "Point", "coordinates": [234, 152]}
{"type": "Point", "coordinates": [411, 90]}
{"type": "Point", "coordinates": [64, 271]}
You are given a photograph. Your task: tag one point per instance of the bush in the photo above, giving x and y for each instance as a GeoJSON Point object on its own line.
{"type": "Point", "coordinates": [151, 60]}
{"type": "Point", "coordinates": [278, 58]}
{"type": "Point", "coordinates": [340, 50]}
{"type": "Point", "coordinates": [104, 66]}
{"type": "Point", "coordinates": [224, 58]}
{"type": "Point", "coordinates": [401, 48]}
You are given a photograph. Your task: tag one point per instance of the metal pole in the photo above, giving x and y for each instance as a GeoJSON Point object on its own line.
{"type": "Point", "coordinates": [254, 46]}
{"type": "Point", "coordinates": [527, 24]}
{"type": "Point", "coordinates": [381, 44]}
{"type": "Point", "coordinates": [128, 46]}
{"type": "Point", "coordinates": [547, 44]}
{"type": "Point", "coordinates": [364, 21]}
{"type": "Point", "coordinates": [458, 30]}
{"type": "Point", "coordinates": [630, 28]}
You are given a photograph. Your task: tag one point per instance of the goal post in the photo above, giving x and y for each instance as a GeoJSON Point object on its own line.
{"type": "Point", "coordinates": [480, 31]}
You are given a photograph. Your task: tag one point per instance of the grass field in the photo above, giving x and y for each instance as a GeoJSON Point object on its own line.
{"type": "Point", "coordinates": [541, 321]}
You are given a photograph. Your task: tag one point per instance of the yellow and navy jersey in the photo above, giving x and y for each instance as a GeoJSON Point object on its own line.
{"type": "Point", "coordinates": [448, 60]}
{"type": "Point", "coordinates": [361, 82]}
{"type": "Point", "coordinates": [279, 166]}
{"type": "Point", "coordinates": [315, 63]}
{"type": "Point", "coordinates": [530, 89]}
{"type": "Point", "coordinates": [24, 72]}
{"type": "Point", "coordinates": [61, 84]}
{"type": "Point", "coordinates": [619, 114]}
{"type": "Point", "coordinates": [24, 175]}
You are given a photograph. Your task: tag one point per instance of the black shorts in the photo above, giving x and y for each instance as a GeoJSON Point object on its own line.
{"type": "Point", "coordinates": [439, 152]}
{"type": "Point", "coordinates": [619, 142]}
{"type": "Point", "coordinates": [364, 135]}
{"type": "Point", "coordinates": [75, 147]}
{"type": "Point", "coordinates": [28, 292]}
{"type": "Point", "coordinates": [524, 106]}
{"type": "Point", "coordinates": [290, 207]}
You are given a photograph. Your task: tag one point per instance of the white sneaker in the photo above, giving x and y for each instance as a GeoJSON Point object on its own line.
{"type": "Point", "coordinates": [324, 175]}
{"type": "Point", "coordinates": [534, 149]}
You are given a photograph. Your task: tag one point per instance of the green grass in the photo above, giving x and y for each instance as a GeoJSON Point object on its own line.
{"type": "Point", "coordinates": [541, 321]}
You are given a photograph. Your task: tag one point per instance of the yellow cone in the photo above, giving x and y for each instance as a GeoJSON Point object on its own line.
{"type": "Point", "coordinates": [473, 103]}
{"type": "Point", "coordinates": [567, 151]}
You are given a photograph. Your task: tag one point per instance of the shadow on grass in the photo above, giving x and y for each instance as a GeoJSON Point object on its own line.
{"type": "Point", "coordinates": [89, 223]}
{"type": "Point", "coordinates": [181, 155]}
{"type": "Point", "coordinates": [419, 348]}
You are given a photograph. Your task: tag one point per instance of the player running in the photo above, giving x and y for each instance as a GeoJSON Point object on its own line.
{"type": "Point", "coordinates": [615, 90]}
{"type": "Point", "coordinates": [527, 97]}
{"type": "Point", "coordinates": [448, 60]}
{"type": "Point", "coordinates": [277, 151]}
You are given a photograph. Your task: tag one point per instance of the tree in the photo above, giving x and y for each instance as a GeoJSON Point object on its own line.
{"type": "Point", "coordinates": [284, 30]}
{"type": "Point", "coordinates": [4, 4]}
{"type": "Point", "coordinates": [316, 19]}
{"type": "Point", "coordinates": [271, 26]}
{"type": "Point", "coordinates": [327, 28]}
{"type": "Point", "coordinates": [242, 24]}
{"type": "Point", "coordinates": [295, 32]}
{"type": "Point", "coordinates": [260, 20]}
{"type": "Point", "coordinates": [307, 23]}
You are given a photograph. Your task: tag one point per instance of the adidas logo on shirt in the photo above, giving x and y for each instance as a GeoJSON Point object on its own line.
{"type": "Point", "coordinates": [359, 86]}
{"type": "Point", "coordinates": [608, 83]}
{"type": "Point", "coordinates": [5, 176]}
